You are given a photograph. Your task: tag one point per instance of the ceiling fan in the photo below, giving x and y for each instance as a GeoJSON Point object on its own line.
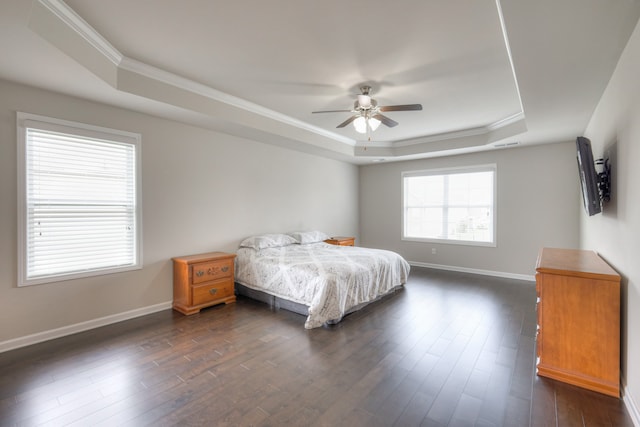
{"type": "Point", "coordinates": [366, 112]}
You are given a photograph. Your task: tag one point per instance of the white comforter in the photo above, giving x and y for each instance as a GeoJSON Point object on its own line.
{"type": "Point", "coordinates": [329, 279]}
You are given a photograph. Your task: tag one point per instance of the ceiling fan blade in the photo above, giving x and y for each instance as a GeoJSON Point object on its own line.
{"type": "Point", "coordinates": [346, 122]}
{"type": "Point", "coordinates": [408, 107]}
{"type": "Point", "coordinates": [385, 120]}
{"type": "Point", "coordinates": [332, 111]}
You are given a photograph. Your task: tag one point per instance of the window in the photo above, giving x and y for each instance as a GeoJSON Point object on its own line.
{"type": "Point", "coordinates": [79, 200]}
{"type": "Point", "coordinates": [452, 206]}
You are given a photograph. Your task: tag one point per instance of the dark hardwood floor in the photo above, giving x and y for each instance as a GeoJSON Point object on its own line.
{"type": "Point", "coordinates": [450, 349]}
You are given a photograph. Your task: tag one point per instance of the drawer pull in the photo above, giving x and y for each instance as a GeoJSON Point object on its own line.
{"type": "Point", "coordinates": [199, 273]}
{"type": "Point", "coordinates": [213, 270]}
{"type": "Point", "coordinates": [213, 291]}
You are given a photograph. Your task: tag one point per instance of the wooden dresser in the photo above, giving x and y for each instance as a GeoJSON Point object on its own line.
{"type": "Point", "coordinates": [202, 280]}
{"type": "Point", "coordinates": [341, 241]}
{"type": "Point", "coordinates": [578, 338]}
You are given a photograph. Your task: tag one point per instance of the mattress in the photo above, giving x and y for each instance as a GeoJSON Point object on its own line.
{"type": "Point", "coordinates": [330, 280]}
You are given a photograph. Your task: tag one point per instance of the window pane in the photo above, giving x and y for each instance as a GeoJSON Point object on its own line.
{"type": "Point", "coordinates": [80, 205]}
{"type": "Point", "coordinates": [425, 190]}
{"type": "Point", "coordinates": [451, 205]}
{"type": "Point", "coordinates": [469, 224]}
{"type": "Point", "coordinates": [424, 222]}
{"type": "Point", "coordinates": [459, 189]}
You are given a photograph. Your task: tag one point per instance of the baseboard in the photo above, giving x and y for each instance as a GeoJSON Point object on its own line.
{"type": "Point", "coordinates": [630, 403]}
{"type": "Point", "coordinates": [80, 327]}
{"type": "Point", "coordinates": [526, 277]}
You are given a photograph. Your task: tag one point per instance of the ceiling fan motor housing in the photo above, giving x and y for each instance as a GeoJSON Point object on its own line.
{"type": "Point", "coordinates": [364, 101]}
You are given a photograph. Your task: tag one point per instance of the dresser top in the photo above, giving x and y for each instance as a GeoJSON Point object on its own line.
{"type": "Point", "coordinates": [574, 262]}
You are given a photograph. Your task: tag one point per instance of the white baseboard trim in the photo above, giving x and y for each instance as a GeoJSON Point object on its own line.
{"type": "Point", "coordinates": [80, 327]}
{"type": "Point", "coordinates": [529, 278]}
{"type": "Point", "coordinates": [630, 403]}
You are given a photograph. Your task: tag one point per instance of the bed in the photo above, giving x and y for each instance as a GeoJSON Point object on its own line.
{"type": "Point", "coordinates": [301, 273]}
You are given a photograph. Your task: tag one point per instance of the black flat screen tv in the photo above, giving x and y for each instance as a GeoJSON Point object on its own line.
{"type": "Point", "coordinates": [588, 177]}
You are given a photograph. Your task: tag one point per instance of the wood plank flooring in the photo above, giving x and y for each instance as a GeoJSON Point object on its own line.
{"type": "Point", "coordinates": [450, 349]}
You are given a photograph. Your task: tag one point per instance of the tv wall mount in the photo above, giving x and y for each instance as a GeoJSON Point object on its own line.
{"type": "Point", "coordinates": [604, 179]}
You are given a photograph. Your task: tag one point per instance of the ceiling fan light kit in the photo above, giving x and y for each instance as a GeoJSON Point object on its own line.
{"type": "Point", "coordinates": [367, 117]}
{"type": "Point", "coordinates": [374, 123]}
{"type": "Point", "coordinates": [362, 122]}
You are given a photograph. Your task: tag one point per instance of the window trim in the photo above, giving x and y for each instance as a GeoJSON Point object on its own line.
{"type": "Point", "coordinates": [28, 120]}
{"type": "Point", "coordinates": [448, 171]}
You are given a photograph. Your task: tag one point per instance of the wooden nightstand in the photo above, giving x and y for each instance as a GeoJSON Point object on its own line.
{"type": "Point", "coordinates": [341, 241]}
{"type": "Point", "coordinates": [203, 280]}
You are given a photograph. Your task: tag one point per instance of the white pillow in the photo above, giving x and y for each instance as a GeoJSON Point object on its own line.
{"type": "Point", "coordinates": [304, 237]}
{"type": "Point", "coordinates": [267, 241]}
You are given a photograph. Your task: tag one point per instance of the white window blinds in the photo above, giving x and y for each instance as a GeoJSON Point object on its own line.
{"type": "Point", "coordinates": [80, 204]}
{"type": "Point", "coordinates": [453, 206]}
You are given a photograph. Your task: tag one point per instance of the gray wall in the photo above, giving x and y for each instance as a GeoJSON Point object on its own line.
{"type": "Point", "coordinates": [201, 191]}
{"type": "Point", "coordinates": [537, 205]}
{"type": "Point", "coordinates": [614, 131]}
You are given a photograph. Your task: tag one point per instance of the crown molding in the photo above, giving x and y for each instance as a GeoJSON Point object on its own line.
{"type": "Point", "coordinates": [464, 133]}
{"type": "Point", "coordinates": [74, 21]}
{"type": "Point", "coordinates": [180, 82]}
{"type": "Point", "coordinates": [505, 122]}
{"type": "Point", "coordinates": [507, 46]}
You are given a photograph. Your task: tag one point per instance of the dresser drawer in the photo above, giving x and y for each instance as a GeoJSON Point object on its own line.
{"type": "Point", "coordinates": [212, 270]}
{"type": "Point", "coordinates": [211, 292]}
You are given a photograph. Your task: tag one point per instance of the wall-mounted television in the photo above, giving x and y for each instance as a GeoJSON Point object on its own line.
{"type": "Point", "coordinates": [589, 178]}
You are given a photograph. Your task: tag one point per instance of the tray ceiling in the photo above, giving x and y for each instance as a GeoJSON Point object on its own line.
{"type": "Point", "coordinates": [487, 73]}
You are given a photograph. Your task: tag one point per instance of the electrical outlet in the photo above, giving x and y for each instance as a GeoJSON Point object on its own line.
{"type": "Point", "coordinates": [433, 251]}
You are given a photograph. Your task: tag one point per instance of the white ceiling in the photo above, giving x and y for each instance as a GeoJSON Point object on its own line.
{"type": "Point", "coordinates": [486, 72]}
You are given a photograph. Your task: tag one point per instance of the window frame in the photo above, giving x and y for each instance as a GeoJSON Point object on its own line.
{"type": "Point", "coordinates": [451, 171]}
{"type": "Point", "coordinates": [33, 121]}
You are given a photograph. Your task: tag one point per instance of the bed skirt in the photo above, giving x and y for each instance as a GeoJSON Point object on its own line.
{"type": "Point", "coordinates": [274, 302]}
{"type": "Point", "coordinates": [277, 303]}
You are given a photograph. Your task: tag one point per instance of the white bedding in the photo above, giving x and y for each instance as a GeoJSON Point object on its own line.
{"type": "Point", "coordinates": [329, 279]}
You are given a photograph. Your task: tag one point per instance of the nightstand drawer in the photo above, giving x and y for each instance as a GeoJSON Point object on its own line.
{"type": "Point", "coordinates": [212, 270]}
{"type": "Point", "coordinates": [211, 292]}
